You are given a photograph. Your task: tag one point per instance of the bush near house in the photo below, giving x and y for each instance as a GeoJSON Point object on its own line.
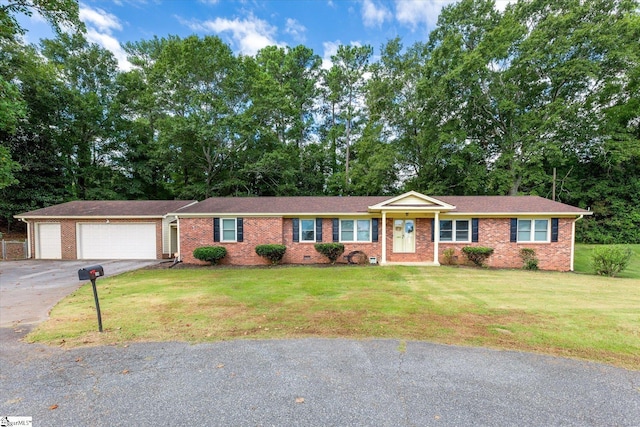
{"type": "Point", "coordinates": [529, 259]}
{"type": "Point", "coordinates": [211, 254]}
{"type": "Point", "coordinates": [477, 254]}
{"type": "Point", "coordinates": [330, 250]}
{"type": "Point", "coordinates": [610, 260]}
{"type": "Point", "coordinates": [273, 252]}
{"type": "Point", "coordinates": [449, 256]}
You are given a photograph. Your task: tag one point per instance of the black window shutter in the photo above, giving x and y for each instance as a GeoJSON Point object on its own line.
{"type": "Point", "coordinates": [296, 229]}
{"type": "Point", "coordinates": [216, 229]}
{"type": "Point", "coordinates": [335, 229]}
{"type": "Point", "coordinates": [433, 230]}
{"type": "Point", "coordinates": [374, 230]}
{"type": "Point", "coordinates": [554, 229]}
{"type": "Point", "coordinates": [474, 229]}
{"type": "Point", "coordinates": [514, 229]}
{"type": "Point", "coordinates": [239, 230]}
{"type": "Point", "coordinates": [318, 229]}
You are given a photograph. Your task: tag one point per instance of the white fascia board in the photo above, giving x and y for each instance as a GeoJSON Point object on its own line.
{"type": "Point", "coordinates": [275, 215]}
{"type": "Point", "coordinates": [517, 214]}
{"type": "Point", "coordinates": [89, 217]}
{"type": "Point", "coordinates": [439, 204]}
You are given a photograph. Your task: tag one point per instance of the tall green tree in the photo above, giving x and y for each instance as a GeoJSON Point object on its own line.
{"type": "Point", "coordinates": [345, 83]}
{"type": "Point", "coordinates": [85, 131]}
{"type": "Point", "coordinates": [283, 98]}
{"type": "Point", "coordinates": [199, 84]}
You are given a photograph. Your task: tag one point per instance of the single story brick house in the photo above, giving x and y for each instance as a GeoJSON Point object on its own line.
{"type": "Point", "coordinates": [411, 228]}
{"type": "Point", "coordinates": [104, 230]}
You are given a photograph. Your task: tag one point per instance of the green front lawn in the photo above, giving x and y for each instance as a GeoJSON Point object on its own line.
{"type": "Point", "coordinates": [582, 261]}
{"type": "Point", "coordinates": [565, 314]}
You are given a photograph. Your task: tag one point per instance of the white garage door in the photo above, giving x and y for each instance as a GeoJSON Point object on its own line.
{"type": "Point", "coordinates": [48, 241]}
{"type": "Point", "coordinates": [116, 241]}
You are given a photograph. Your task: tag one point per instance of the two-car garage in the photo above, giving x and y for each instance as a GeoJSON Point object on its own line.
{"type": "Point", "coordinates": [103, 230]}
{"type": "Point", "coordinates": [99, 241]}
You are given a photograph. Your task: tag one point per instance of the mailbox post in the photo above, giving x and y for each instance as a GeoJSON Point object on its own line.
{"type": "Point", "coordinates": [90, 273]}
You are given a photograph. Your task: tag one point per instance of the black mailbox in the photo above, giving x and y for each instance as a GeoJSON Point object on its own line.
{"type": "Point", "coordinates": [90, 273]}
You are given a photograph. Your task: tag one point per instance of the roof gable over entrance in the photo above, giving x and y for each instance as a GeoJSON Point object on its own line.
{"type": "Point", "coordinates": [412, 201]}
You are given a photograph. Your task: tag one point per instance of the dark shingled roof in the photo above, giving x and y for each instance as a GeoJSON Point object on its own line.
{"type": "Point", "coordinates": [508, 204]}
{"type": "Point", "coordinates": [284, 205]}
{"type": "Point", "coordinates": [110, 208]}
{"type": "Point", "coordinates": [360, 204]}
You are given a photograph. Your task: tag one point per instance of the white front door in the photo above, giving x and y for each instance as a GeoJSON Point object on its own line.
{"type": "Point", "coordinates": [404, 236]}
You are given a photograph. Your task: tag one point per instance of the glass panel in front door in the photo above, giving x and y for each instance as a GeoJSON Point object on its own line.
{"type": "Point", "coordinates": [404, 236]}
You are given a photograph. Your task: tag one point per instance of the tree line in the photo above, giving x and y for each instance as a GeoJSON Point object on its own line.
{"type": "Point", "coordinates": [493, 102]}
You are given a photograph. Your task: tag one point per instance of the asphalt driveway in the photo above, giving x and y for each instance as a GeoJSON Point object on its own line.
{"type": "Point", "coordinates": [30, 288]}
{"type": "Point", "coordinates": [308, 382]}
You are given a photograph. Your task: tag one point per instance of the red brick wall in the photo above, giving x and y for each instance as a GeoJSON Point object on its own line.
{"type": "Point", "coordinates": [424, 245]}
{"type": "Point", "coordinates": [495, 233]}
{"type": "Point", "coordinates": [305, 252]}
{"type": "Point", "coordinates": [196, 232]}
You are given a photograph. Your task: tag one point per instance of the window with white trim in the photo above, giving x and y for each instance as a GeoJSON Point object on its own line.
{"type": "Point", "coordinates": [533, 230]}
{"type": "Point", "coordinates": [458, 230]}
{"type": "Point", "coordinates": [229, 230]}
{"type": "Point", "coordinates": [355, 230]}
{"type": "Point", "coordinates": [307, 230]}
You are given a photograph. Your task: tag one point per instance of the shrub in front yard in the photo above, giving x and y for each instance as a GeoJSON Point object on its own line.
{"type": "Point", "coordinates": [274, 253]}
{"type": "Point", "coordinates": [449, 256]}
{"type": "Point", "coordinates": [610, 260]}
{"type": "Point", "coordinates": [330, 250]}
{"type": "Point", "coordinates": [529, 259]}
{"type": "Point", "coordinates": [211, 254]}
{"type": "Point", "coordinates": [477, 254]}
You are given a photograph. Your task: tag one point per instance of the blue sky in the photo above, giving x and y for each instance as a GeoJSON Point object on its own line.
{"type": "Point", "coordinates": [249, 25]}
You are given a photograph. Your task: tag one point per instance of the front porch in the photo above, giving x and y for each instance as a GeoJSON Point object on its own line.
{"type": "Point", "coordinates": [411, 229]}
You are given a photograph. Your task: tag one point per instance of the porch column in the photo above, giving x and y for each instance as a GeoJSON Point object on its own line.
{"type": "Point", "coordinates": [178, 242]}
{"type": "Point", "coordinates": [384, 238]}
{"type": "Point", "coordinates": [436, 237]}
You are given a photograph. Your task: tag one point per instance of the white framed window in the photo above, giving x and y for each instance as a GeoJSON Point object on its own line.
{"type": "Point", "coordinates": [229, 230]}
{"type": "Point", "coordinates": [307, 230]}
{"type": "Point", "coordinates": [533, 230]}
{"type": "Point", "coordinates": [355, 230]}
{"type": "Point", "coordinates": [458, 230]}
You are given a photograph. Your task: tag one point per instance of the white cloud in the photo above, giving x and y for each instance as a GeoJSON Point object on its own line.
{"type": "Point", "coordinates": [501, 5]}
{"type": "Point", "coordinates": [296, 30]}
{"type": "Point", "coordinates": [330, 49]}
{"type": "Point", "coordinates": [374, 15]}
{"type": "Point", "coordinates": [249, 35]}
{"type": "Point", "coordinates": [100, 25]}
{"type": "Point", "coordinates": [103, 21]}
{"type": "Point", "coordinates": [415, 13]}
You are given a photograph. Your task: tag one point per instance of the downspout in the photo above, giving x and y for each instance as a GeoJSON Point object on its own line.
{"type": "Point", "coordinates": [573, 240]}
{"type": "Point", "coordinates": [178, 257]}
{"type": "Point", "coordinates": [28, 237]}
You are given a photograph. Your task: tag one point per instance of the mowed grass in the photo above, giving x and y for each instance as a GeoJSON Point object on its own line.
{"type": "Point", "coordinates": [565, 314]}
{"type": "Point", "coordinates": [582, 261]}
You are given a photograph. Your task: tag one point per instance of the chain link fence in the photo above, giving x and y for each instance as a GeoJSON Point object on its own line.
{"type": "Point", "coordinates": [14, 249]}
